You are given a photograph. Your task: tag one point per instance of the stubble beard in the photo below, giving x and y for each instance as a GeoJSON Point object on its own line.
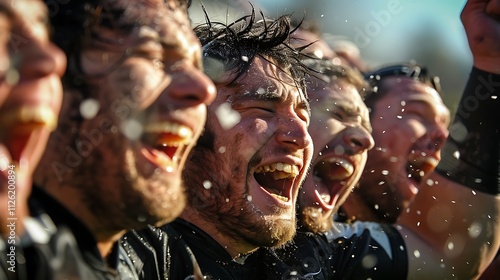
{"type": "Point", "coordinates": [312, 219]}
{"type": "Point", "coordinates": [120, 197]}
{"type": "Point", "coordinates": [231, 213]}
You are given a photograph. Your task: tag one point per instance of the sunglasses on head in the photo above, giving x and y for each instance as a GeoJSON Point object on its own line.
{"type": "Point", "coordinates": [414, 71]}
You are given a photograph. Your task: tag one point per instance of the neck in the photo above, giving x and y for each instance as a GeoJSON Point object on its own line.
{"type": "Point", "coordinates": [235, 247]}
{"type": "Point", "coordinates": [356, 209]}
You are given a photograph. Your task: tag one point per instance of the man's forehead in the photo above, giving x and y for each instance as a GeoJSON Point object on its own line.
{"type": "Point", "coordinates": [408, 88]}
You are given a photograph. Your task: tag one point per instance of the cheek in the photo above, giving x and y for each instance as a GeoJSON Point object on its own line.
{"type": "Point", "coordinates": [138, 82]}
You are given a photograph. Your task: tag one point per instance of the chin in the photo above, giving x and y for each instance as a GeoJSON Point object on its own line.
{"type": "Point", "coordinates": [313, 220]}
{"type": "Point", "coordinates": [277, 233]}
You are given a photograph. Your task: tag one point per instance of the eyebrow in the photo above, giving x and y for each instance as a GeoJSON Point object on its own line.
{"type": "Point", "coordinates": [272, 96]}
{"type": "Point", "coordinates": [353, 111]}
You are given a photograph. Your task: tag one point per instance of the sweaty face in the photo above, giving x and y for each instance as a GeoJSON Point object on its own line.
{"type": "Point", "coordinates": [253, 157]}
{"type": "Point", "coordinates": [409, 127]}
{"type": "Point", "coordinates": [145, 110]}
{"type": "Point", "coordinates": [30, 85]}
{"type": "Point", "coordinates": [340, 130]}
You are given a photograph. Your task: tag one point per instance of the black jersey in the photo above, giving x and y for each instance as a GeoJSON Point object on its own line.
{"type": "Point", "coordinates": [361, 250]}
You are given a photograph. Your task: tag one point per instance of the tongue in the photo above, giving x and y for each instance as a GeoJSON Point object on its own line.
{"type": "Point", "coordinates": [322, 190]}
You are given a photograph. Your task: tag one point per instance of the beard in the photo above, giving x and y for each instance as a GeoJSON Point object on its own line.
{"type": "Point", "coordinates": [106, 177]}
{"type": "Point", "coordinates": [226, 204]}
{"type": "Point", "coordinates": [313, 220]}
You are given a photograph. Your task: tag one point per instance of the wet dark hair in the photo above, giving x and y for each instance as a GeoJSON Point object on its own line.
{"type": "Point", "coordinates": [234, 46]}
{"type": "Point", "coordinates": [76, 23]}
{"type": "Point", "coordinates": [376, 79]}
{"type": "Point", "coordinates": [326, 71]}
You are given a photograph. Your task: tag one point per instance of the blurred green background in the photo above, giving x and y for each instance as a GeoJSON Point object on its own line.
{"type": "Point", "coordinates": [386, 31]}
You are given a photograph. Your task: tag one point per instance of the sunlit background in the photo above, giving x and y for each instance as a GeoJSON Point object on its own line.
{"type": "Point", "coordinates": [386, 31]}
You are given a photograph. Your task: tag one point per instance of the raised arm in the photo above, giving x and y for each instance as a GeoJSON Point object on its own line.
{"type": "Point", "coordinates": [451, 228]}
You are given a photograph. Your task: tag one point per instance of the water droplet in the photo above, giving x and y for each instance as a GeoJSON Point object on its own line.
{"type": "Point", "coordinates": [475, 229]}
{"type": "Point", "coordinates": [132, 129]}
{"type": "Point", "coordinates": [141, 219]}
{"type": "Point", "coordinates": [416, 253]}
{"type": "Point", "coordinates": [227, 117]}
{"type": "Point", "coordinates": [339, 150]}
{"type": "Point", "coordinates": [207, 184]}
{"type": "Point", "coordinates": [89, 108]}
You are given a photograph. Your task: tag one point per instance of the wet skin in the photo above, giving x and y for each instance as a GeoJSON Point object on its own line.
{"type": "Point", "coordinates": [260, 160]}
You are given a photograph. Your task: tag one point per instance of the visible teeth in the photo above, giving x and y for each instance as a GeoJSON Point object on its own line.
{"type": "Point", "coordinates": [168, 127]}
{"type": "Point", "coordinates": [283, 198]}
{"type": "Point", "coordinates": [342, 162]}
{"type": "Point", "coordinates": [165, 142]}
{"type": "Point", "coordinates": [183, 134]}
{"type": "Point", "coordinates": [280, 170]}
{"type": "Point", "coordinates": [43, 115]}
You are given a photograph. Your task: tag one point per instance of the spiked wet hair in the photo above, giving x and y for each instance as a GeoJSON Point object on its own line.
{"type": "Point", "coordinates": [233, 46]}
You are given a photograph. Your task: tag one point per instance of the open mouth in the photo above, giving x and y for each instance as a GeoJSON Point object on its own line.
{"type": "Point", "coordinates": [418, 167]}
{"type": "Point", "coordinates": [25, 124]}
{"type": "Point", "coordinates": [277, 179]}
{"type": "Point", "coordinates": [165, 142]}
{"type": "Point", "coordinates": [330, 176]}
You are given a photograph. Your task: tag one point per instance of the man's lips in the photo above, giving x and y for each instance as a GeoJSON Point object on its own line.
{"type": "Point", "coordinates": [330, 175]}
{"type": "Point", "coordinates": [165, 142]}
{"type": "Point", "coordinates": [277, 179]}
